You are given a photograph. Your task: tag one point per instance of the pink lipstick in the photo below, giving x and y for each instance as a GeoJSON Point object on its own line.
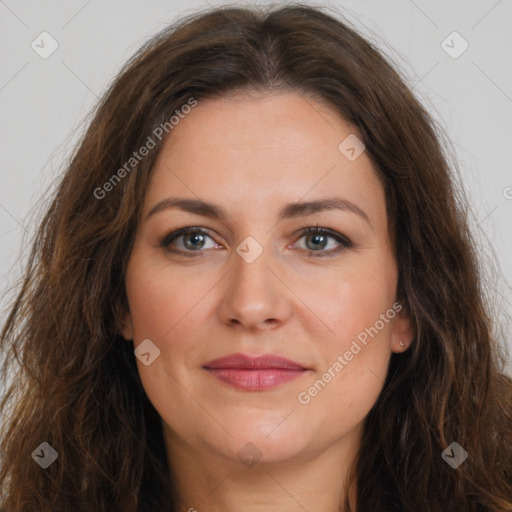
{"type": "Point", "coordinates": [254, 373]}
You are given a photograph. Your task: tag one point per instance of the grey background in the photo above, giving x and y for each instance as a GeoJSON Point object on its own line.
{"type": "Point", "coordinates": [44, 102]}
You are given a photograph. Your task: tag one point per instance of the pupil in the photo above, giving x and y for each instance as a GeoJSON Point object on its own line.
{"type": "Point", "coordinates": [316, 237]}
{"type": "Point", "coordinates": [192, 246]}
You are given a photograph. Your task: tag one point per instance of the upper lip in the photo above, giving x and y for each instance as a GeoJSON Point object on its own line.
{"type": "Point", "coordinates": [265, 361]}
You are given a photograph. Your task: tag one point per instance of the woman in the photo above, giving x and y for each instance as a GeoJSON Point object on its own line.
{"type": "Point", "coordinates": [254, 288]}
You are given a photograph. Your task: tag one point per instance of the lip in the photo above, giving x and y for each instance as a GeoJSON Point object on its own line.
{"type": "Point", "coordinates": [254, 373]}
{"type": "Point", "coordinates": [263, 362]}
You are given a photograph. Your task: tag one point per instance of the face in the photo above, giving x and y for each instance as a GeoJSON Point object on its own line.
{"type": "Point", "coordinates": [251, 280]}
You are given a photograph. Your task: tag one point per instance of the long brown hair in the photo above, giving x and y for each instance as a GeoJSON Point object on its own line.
{"type": "Point", "coordinates": [77, 386]}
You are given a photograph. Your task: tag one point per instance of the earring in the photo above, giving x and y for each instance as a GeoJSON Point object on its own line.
{"type": "Point", "coordinates": [402, 344]}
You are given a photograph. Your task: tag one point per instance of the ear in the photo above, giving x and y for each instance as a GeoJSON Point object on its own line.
{"type": "Point", "coordinates": [126, 327]}
{"type": "Point", "coordinates": [123, 318]}
{"type": "Point", "coordinates": [402, 331]}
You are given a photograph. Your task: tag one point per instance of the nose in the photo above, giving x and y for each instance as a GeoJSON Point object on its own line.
{"type": "Point", "coordinates": [255, 296]}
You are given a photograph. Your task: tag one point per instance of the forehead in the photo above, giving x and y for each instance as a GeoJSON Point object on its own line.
{"type": "Point", "coordinates": [263, 150]}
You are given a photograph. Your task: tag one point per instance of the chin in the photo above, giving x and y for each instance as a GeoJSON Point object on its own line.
{"type": "Point", "coordinates": [267, 444]}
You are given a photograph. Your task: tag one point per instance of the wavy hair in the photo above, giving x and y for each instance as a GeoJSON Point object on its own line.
{"type": "Point", "coordinates": [76, 385]}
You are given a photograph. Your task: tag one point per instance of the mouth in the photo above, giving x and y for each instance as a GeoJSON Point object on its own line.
{"type": "Point", "coordinates": [254, 373]}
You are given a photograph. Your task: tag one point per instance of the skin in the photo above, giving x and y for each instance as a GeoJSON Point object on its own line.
{"type": "Point", "coordinates": [251, 156]}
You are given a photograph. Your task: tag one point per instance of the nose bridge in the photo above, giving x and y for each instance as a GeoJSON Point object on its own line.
{"type": "Point", "coordinates": [254, 296]}
{"type": "Point", "coordinates": [250, 264]}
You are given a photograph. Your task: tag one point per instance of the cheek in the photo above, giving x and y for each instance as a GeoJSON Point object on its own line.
{"type": "Point", "coordinates": [164, 307]}
{"type": "Point", "coordinates": [159, 300]}
{"type": "Point", "coordinates": [351, 300]}
{"type": "Point", "coordinates": [168, 306]}
{"type": "Point", "coordinates": [357, 307]}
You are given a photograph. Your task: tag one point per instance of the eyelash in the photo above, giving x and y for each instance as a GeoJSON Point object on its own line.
{"type": "Point", "coordinates": [344, 242]}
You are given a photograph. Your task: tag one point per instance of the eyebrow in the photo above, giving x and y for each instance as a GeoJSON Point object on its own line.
{"type": "Point", "coordinates": [289, 211]}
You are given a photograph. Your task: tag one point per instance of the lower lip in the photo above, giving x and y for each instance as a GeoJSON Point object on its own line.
{"type": "Point", "coordinates": [255, 380]}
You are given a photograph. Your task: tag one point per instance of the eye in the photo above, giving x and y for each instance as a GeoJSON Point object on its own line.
{"type": "Point", "coordinates": [189, 240]}
{"type": "Point", "coordinates": [317, 239]}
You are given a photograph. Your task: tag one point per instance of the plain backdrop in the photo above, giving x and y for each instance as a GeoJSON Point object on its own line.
{"type": "Point", "coordinates": [44, 101]}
